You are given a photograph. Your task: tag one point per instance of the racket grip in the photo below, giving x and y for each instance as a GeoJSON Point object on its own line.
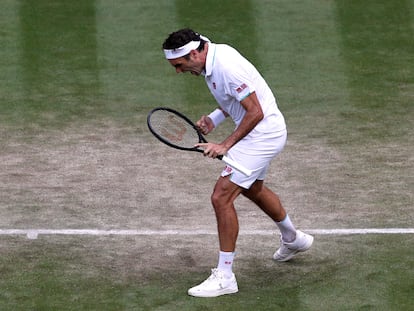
{"type": "Point", "coordinates": [236, 166]}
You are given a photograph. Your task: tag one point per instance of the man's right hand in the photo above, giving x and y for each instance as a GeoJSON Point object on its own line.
{"type": "Point", "coordinates": [205, 125]}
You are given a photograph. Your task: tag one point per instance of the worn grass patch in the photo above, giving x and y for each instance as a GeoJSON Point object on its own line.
{"type": "Point", "coordinates": [75, 152]}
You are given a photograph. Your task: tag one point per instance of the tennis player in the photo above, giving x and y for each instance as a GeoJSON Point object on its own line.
{"type": "Point", "coordinates": [260, 134]}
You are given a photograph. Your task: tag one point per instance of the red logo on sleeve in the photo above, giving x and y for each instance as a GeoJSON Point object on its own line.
{"type": "Point", "coordinates": [241, 88]}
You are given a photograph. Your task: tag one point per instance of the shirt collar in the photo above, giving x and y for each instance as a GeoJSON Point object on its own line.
{"type": "Point", "coordinates": [211, 53]}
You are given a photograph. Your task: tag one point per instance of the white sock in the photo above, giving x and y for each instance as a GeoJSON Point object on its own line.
{"type": "Point", "coordinates": [287, 229]}
{"type": "Point", "coordinates": [225, 263]}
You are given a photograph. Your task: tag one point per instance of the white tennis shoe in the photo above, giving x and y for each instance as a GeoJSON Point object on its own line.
{"type": "Point", "coordinates": [286, 251]}
{"type": "Point", "coordinates": [216, 285]}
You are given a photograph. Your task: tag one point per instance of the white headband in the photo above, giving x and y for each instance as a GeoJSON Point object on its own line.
{"type": "Point", "coordinates": [184, 50]}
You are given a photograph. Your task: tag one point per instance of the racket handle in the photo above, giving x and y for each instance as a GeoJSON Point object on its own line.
{"type": "Point", "coordinates": [236, 166]}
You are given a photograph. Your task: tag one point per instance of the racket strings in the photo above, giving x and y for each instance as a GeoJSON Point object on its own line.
{"type": "Point", "coordinates": [174, 129]}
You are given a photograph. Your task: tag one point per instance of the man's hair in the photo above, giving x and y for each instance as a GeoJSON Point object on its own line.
{"type": "Point", "coordinates": [181, 37]}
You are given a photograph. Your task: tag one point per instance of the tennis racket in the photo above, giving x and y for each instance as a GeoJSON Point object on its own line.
{"type": "Point", "coordinates": [177, 131]}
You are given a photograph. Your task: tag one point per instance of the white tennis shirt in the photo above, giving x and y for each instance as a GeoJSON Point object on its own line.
{"type": "Point", "coordinates": [231, 78]}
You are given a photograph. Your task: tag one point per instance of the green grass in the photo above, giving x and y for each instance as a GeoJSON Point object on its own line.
{"type": "Point", "coordinates": [73, 71]}
{"type": "Point", "coordinates": [360, 273]}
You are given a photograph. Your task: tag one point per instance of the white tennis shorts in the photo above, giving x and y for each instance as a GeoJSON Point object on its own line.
{"type": "Point", "coordinates": [256, 155]}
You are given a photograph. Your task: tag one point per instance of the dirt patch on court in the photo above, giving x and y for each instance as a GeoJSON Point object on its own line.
{"type": "Point", "coordinates": [110, 177]}
{"type": "Point", "coordinates": [104, 176]}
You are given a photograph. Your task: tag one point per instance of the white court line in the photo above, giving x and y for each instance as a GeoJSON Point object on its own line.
{"type": "Point", "coordinates": [34, 233]}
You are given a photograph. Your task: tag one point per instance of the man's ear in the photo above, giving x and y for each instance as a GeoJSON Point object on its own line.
{"type": "Point", "coordinates": [194, 54]}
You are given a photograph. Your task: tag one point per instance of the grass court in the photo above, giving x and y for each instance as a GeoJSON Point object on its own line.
{"type": "Point", "coordinates": [77, 79]}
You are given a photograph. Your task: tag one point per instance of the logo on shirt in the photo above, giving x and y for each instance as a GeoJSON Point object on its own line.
{"type": "Point", "coordinates": [241, 88]}
{"type": "Point", "coordinates": [214, 85]}
{"type": "Point", "coordinates": [228, 169]}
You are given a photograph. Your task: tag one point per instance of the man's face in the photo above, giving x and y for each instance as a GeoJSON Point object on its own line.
{"type": "Point", "coordinates": [192, 65]}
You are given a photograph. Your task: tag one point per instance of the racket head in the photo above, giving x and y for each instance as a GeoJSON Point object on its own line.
{"type": "Point", "coordinates": [174, 129]}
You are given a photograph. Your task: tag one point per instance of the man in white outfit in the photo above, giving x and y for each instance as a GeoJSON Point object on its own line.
{"type": "Point", "coordinates": [260, 134]}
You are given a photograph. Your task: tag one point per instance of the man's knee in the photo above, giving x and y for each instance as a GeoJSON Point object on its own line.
{"type": "Point", "coordinates": [225, 192]}
{"type": "Point", "coordinates": [216, 199]}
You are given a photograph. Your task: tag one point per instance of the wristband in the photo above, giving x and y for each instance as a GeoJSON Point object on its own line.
{"type": "Point", "coordinates": [217, 116]}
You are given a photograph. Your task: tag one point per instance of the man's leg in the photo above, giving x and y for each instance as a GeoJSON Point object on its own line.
{"type": "Point", "coordinates": [223, 197]}
{"type": "Point", "coordinates": [266, 199]}
{"type": "Point", "coordinates": [292, 241]}
{"type": "Point", "coordinates": [222, 280]}
{"type": "Point", "coordinates": [270, 203]}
